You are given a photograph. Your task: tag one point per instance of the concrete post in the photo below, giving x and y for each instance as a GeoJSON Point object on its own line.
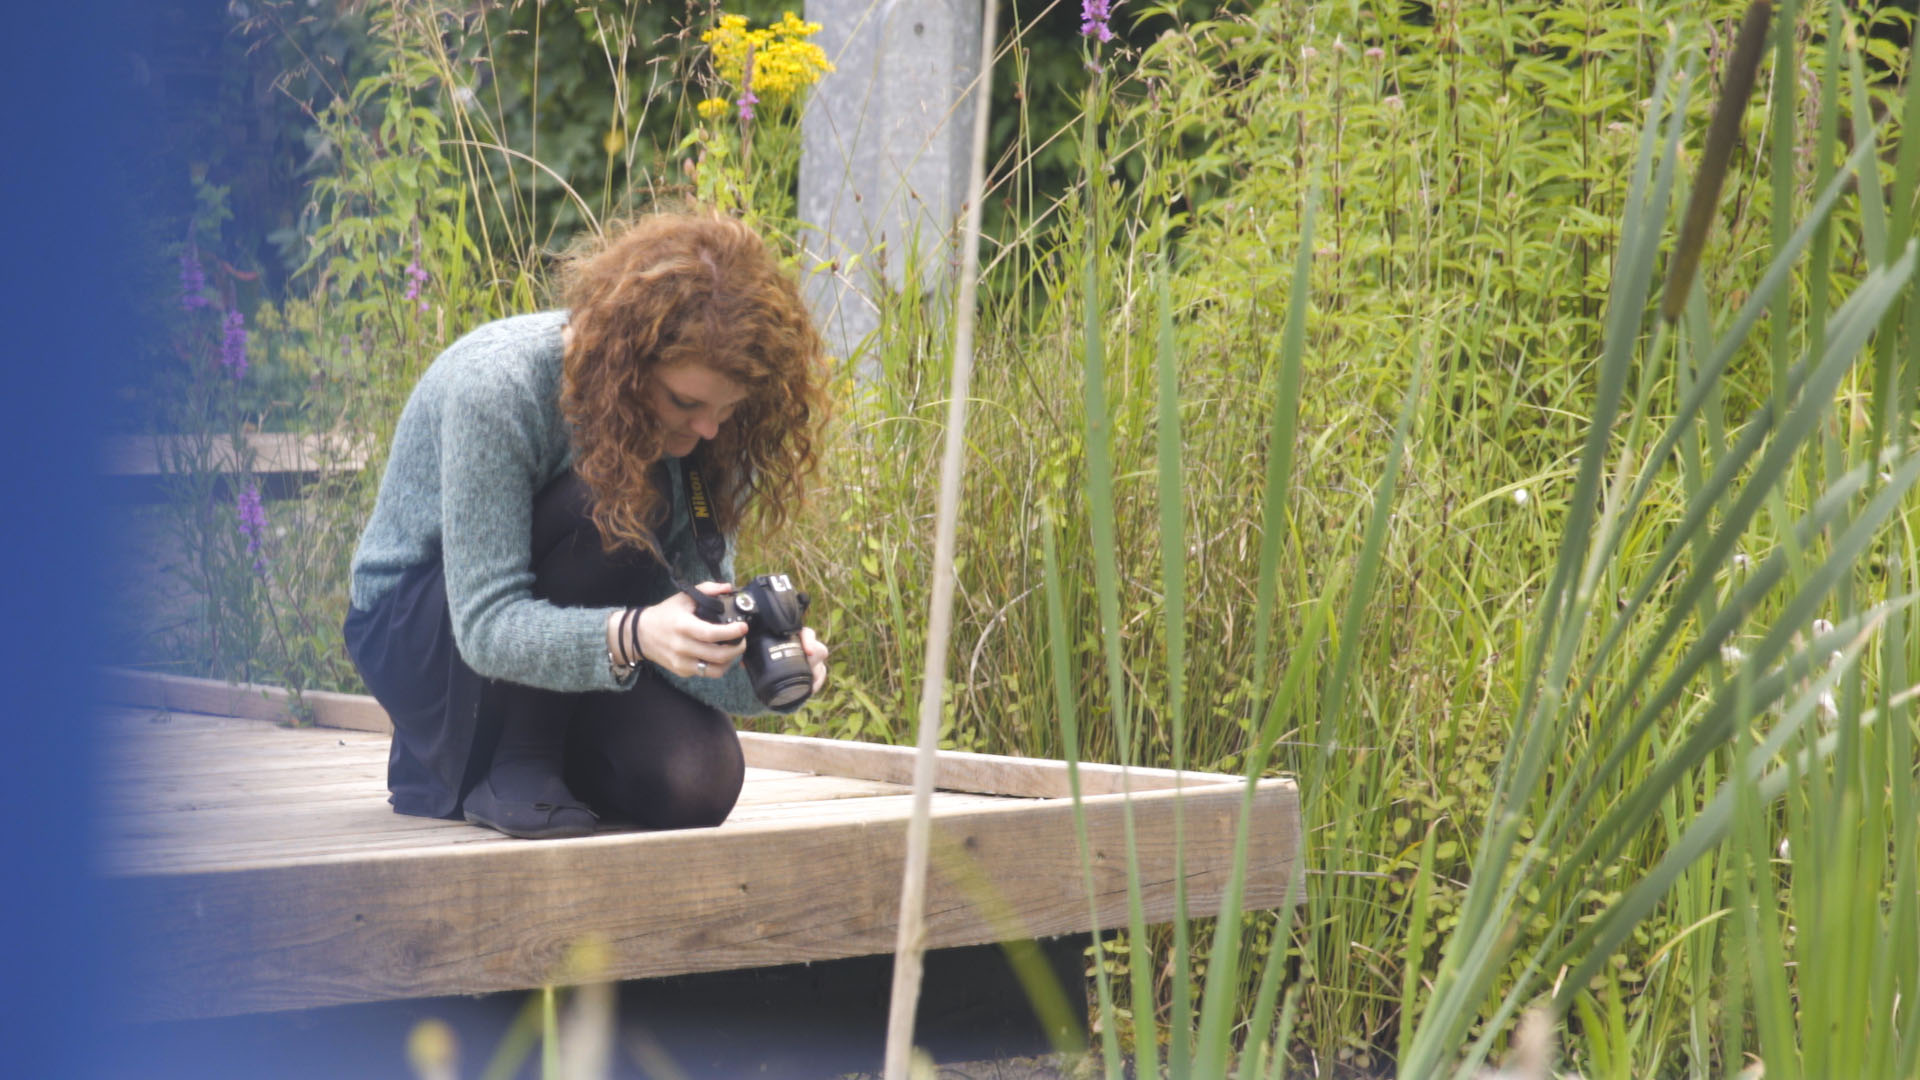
{"type": "Point", "coordinates": [884, 154]}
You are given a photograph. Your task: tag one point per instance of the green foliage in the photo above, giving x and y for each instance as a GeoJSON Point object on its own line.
{"type": "Point", "coordinates": [1474, 175]}
{"type": "Point", "coordinates": [392, 273]}
{"type": "Point", "coordinates": [1399, 497]}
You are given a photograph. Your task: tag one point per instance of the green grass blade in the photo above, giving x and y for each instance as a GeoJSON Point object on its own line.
{"type": "Point", "coordinates": [1098, 433]}
{"type": "Point", "coordinates": [1595, 944]}
{"type": "Point", "coordinates": [1100, 502]}
{"type": "Point", "coordinates": [1367, 570]}
{"type": "Point", "coordinates": [1785, 82]}
{"type": "Point", "coordinates": [1283, 1031]}
{"type": "Point", "coordinates": [1217, 998]}
{"type": "Point", "coordinates": [1267, 996]}
{"type": "Point", "coordinates": [549, 1035]}
{"type": "Point", "coordinates": [1826, 138]}
{"type": "Point", "coordinates": [1063, 703]}
{"type": "Point", "coordinates": [1851, 327]}
{"type": "Point", "coordinates": [1468, 964]}
{"type": "Point", "coordinates": [1173, 569]}
{"type": "Point", "coordinates": [1282, 431]}
{"type": "Point", "coordinates": [1417, 902]}
{"type": "Point", "coordinates": [1765, 955]}
{"type": "Point", "coordinates": [1882, 781]}
{"type": "Point", "coordinates": [1633, 268]}
{"type": "Point", "coordinates": [1873, 208]}
{"type": "Point", "coordinates": [1602, 840]}
{"type": "Point", "coordinates": [1906, 179]}
{"type": "Point", "coordinates": [1704, 393]}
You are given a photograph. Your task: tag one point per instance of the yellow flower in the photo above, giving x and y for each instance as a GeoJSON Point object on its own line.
{"type": "Point", "coordinates": [714, 108]}
{"type": "Point", "coordinates": [615, 141]}
{"type": "Point", "coordinates": [784, 61]}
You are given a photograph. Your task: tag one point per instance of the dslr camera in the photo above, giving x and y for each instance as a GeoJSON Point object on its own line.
{"type": "Point", "coordinates": [774, 613]}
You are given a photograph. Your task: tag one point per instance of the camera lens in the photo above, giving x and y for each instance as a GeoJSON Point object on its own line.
{"type": "Point", "coordinates": [789, 690]}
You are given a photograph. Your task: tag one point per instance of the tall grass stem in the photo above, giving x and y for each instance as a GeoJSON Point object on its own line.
{"type": "Point", "coordinates": [910, 946]}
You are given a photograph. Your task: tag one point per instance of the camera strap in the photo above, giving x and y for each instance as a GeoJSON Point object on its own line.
{"type": "Point", "coordinates": [706, 531]}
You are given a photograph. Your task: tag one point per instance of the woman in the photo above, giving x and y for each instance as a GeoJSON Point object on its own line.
{"type": "Point", "coordinates": [516, 594]}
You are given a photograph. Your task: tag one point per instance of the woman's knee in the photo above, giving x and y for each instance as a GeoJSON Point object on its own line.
{"type": "Point", "coordinates": [673, 765]}
{"type": "Point", "coordinates": [698, 783]}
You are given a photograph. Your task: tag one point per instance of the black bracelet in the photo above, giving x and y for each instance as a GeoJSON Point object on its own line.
{"type": "Point", "coordinates": [631, 621]}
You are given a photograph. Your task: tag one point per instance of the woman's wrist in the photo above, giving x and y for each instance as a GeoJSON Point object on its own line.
{"type": "Point", "coordinates": [630, 635]}
{"type": "Point", "coordinates": [624, 653]}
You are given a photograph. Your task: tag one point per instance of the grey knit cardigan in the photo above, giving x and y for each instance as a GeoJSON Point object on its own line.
{"type": "Point", "coordinates": [479, 436]}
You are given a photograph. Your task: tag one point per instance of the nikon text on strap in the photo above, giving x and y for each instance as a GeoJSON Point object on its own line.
{"type": "Point", "coordinates": [706, 532]}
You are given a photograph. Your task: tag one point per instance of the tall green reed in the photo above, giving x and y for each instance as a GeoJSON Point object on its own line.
{"type": "Point", "coordinates": [1512, 883]}
{"type": "Point", "coordinates": [1653, 728]}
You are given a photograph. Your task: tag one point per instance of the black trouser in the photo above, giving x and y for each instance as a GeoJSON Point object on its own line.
{"type": "Point", "coordinates": [650, 755]}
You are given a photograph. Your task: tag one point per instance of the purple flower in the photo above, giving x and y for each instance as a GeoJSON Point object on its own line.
{"type": "Point", "coordinates": [1094, 15]}
{"type": "Point", "coordinates": [416, 277]}
{"type": "Point", "coordinates": [253, 523]}
{"type": "Point", "coordinates": [747, 99]}
{"type": "Point", "coordinates": [193, 280]}
{"type": "Point", "coordinates": [233, 346]}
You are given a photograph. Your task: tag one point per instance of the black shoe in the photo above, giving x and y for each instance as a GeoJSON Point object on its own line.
{"type": "Point", "coordinates": [552, 814]}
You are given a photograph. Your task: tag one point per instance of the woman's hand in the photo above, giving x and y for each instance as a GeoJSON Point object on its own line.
{"type": "Point", "coordinates": [677, 640]}
{"type": "Point", "coordinates": [816, 656]}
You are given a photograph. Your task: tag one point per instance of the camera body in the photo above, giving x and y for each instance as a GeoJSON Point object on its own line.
{"type": "Point", "coordinates": [774, 612]}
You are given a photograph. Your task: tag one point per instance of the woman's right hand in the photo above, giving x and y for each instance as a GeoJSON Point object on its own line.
{"type": "Point", "coordinates": [676, 639]}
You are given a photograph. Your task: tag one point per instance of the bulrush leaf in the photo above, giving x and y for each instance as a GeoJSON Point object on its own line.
{"type": "Point", "coordinates": [1280, 437]}
{"type": "Point", "coordinates": [1173, 569]}
{"type": "Point", "coordinates": [1217, 1003]}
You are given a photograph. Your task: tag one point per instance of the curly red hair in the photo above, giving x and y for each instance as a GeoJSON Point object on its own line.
{"type": "Point", "coordinates": [688, 288]}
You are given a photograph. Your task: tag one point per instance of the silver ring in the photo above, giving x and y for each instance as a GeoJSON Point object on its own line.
{"type": "Point", "coordinates": [700, 666]}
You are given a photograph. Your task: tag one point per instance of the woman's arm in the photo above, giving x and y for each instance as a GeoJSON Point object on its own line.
{"type": "Point", "coordinates": [491, 461]}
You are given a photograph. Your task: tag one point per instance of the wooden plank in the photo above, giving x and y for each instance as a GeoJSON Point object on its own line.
{"type": "Point", "coordinates": [160, 794]}
{"type": "Point", "coordinates": [228, 790]}
{"type": "Point", "coordinates": [203, 836]}
{"type": "Point", "coordinates": [287, 822]}
{"type": "Point", "coordinates": [990, 774]}
{"type": "Point", "coordinates": [191, 853]}
{"type": "Point", "coordinates": [272, 452]}
{"type": "Point", "coordinates": [139, 721]}
{"type": "Point", "coordinates": [472, 918]}
{"type": "Point", "coordinates": [291, 761]}
{"type": "Point", "coordinates": [175, 855]}
{"type": "Point", "coordinates": [246, 700]}
{"type": "Point", "coordinates": [178, 730]}
{"type": "Point", "coordinates": [410, 835]}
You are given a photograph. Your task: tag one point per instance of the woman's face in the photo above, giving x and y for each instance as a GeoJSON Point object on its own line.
{"type": "Point", "coordinates": [691, 401]}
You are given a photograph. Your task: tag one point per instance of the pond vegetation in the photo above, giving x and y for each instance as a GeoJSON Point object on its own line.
{"type": "Point", "coordinates": [1487, 414]}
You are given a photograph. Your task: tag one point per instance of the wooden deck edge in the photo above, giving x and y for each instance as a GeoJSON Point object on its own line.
{"type": "Point", "coordinates": [507, 917]}
{"type": "Point", "coordinates": [246, 701]}
{"type": "Point", "coordinates": [271, 452]}
{"type": "Point", "coordinates": [986, 774]}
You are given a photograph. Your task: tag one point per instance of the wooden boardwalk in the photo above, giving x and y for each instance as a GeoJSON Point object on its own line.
{"type": "Point", "coordinates": [260, 868]}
